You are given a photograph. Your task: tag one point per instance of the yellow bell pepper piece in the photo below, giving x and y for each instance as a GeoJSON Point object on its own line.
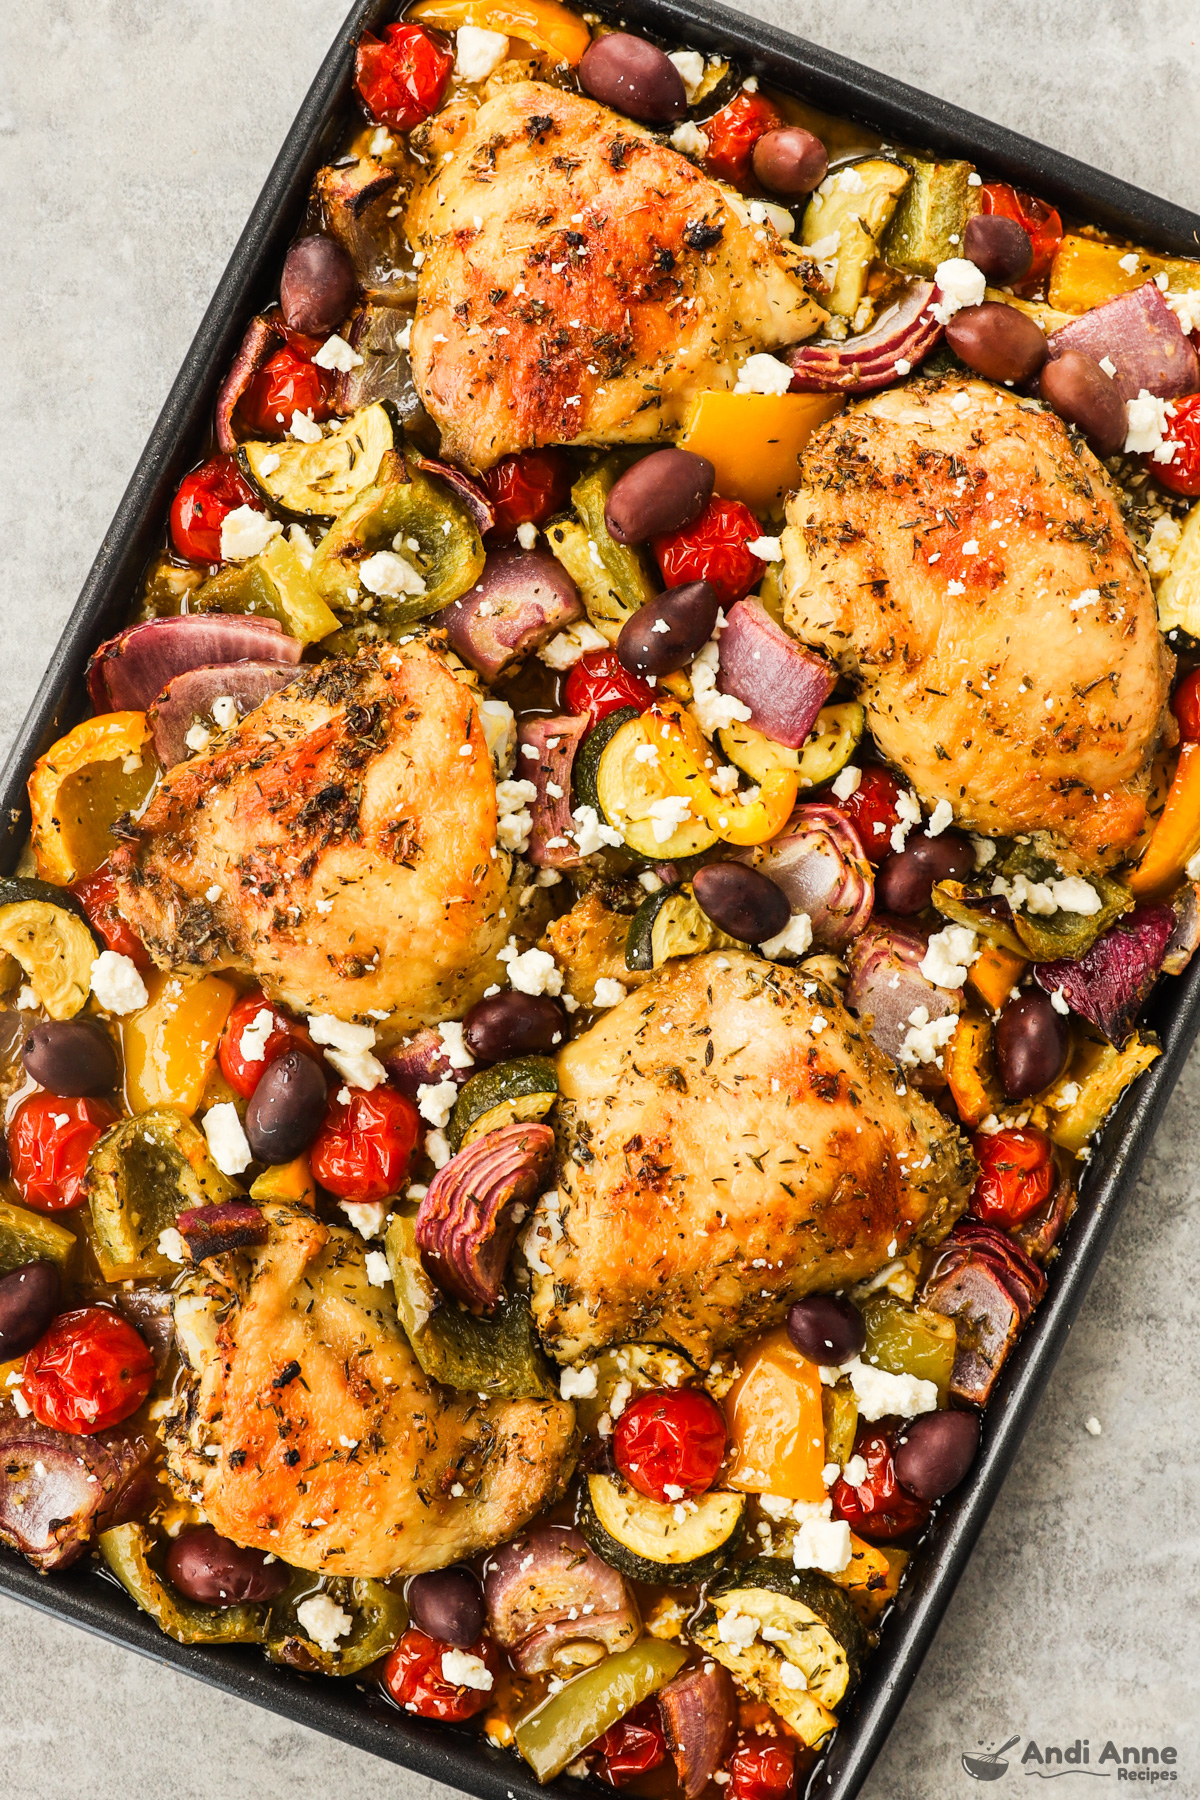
{"type": "Point", "coordinates": [171, 1044]}
{"type": "Point", "coordinates": [543, 23]}
{"type": "Point", "coordinates": [287, 1181]}
{"type": "Point", "coordinates": [970, 1070]}
{"type": "Point", "coordinates": [871, 1578]}
{"type": "Point", "coordinates": [688, 764]}
{"type": "Point", "coordinates": [754, 440]}
{"type": "Point", "coordinates": [776, 1423]}
{"type": "Point", "coordinates": [1176, 837]}
{"type": "Point", "coordinates": [102, 768]}
{"type": "Point", "coordinates": [1086, 274]}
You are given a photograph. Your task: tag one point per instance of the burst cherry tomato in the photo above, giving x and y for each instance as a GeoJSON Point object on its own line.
{"type": "Point", "coordinates": [285, 384]}
{"type": "Point", "coordinates": [599, 685]}
{"type": "Point", "coordinates": [1035, 216]}
{"type": "Point", "coordinates": [242, 1072]}
{"type": "Point", "coordinates": [413, 1677]}
{"type": "Point", "coordinates": [1182, 473]}
{"type": "Point", "coordinates": [879, 1508]}
{"type": "Point", "coordinates": [90, 1371]}
{"type": "Point", "coordinates": [48, 1144]}
{"type": "Point", "coordinates": [633, 1746]}
{"type": "Point", "coordinates": [365, 1144]}
{"type": "Point", "coordinates": [401, 76]}
{"type": "Point", "coordinates": [1016, 1173]}
{"type": "Point", "coordinates": [528, 489]}
{"type": "Point", "coordinates": [97, 894]}
{"type": "Point", "coordinates": [205, 496]}
{"type": "Point", "coordinates": [871, 809]}
{"type": "Point", "coordinates": [714, 548]}
{"type": "Point", "coordinates": [1185, 704]}
{"type": "Point", "coordinates": [733, 132]}
{"type": "Point", "coordinates": [669, 1444]}
{"type": "Point", "coordinates": [763, 1768]}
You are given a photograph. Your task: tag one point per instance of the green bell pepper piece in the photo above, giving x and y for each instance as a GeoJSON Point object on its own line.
{"type": "Point", "coordinates": [126, 1551]}
{"type": "Point", "coordinates": [554, 1734]}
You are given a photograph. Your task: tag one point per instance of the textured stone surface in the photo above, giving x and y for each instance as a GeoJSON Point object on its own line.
{"type": "Point", "coordinates": [133, 139]}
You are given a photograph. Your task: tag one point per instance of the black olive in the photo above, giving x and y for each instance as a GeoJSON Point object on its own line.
{"type": "Point", "coordinates": [1032, 1043]}
{"type": "Point", "coordinates": [286, 1108]}
{"type": "Point", "coordinates": [29, 1299]}
{"type": "Point", "coordinates": [905, 880]}
{"type": "Point", "coordinates": [1081, 393]}
{"type": "Point", "coordinates": [633, 77]}
{"type": "Point", "coordinates": [217, 1572]}
{"type": "Point", "coordinates": [936, 1452]}
{"type": "Point", "coordinates": [742, 901]}
{"type": "Point", "coordinates": [514, 1025]}
{"type": "Point", "coordinates": [71, 1057]}
{"type": "Point", "coordinates": [447, 1604]}
{"type": "Point", "coordinates": [665, 634]}
{"type": "Point", "coordinates": [318, 285]}
{"type": "Point", "coordinates": [826, 1329]}
{"type": "Point", "coordinates": [661, 492]}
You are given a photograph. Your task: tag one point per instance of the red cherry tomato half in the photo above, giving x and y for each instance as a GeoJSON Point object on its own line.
{"type": "Point", "coordinates": [733, 132]}
{"type": "Point", "coordinates": [763, 1768]}
{"type": "Point", "coordinates": [401, 76]}
{"type": "Point", "coordinates": [1182, 473]}
{"type": "Point", "coordinates": [205, 496]}
{"type": "Point", "coordinates": [1035, 216]}
{"type": "Point", "coordinates": [413, 1677]}
{"type": "Point", "coordinates": [879, 1508]}
{"type": "Point", "coordinates": [670, 1443]}
{"type": "Point", "coordinates": [241, 1072]}
{"type": "Point", "coordinates": [599, 684]}
{"type": "Point", "coordinates": [871, 809]}
{"type": "Point", "coordinates": [90, 1371]}
{"type": "Point", "coordinates": [713, 548]}
{"type": "Point", "coordinates": [1016, 1173]}
{"type": "Point", "coordinates": [528, 489]}
{"type": "Point", "coordinates": [97, 894]}
{"type": "Point", "coordinates": [48, 1144]}
{"type": "Point", "coordinates": [286, 384]}
{"type": "Point", "coordinates": [1185, 704]}
{"type": "Point", "coordinates": [633, 1746]}
{"type": "Point", "coordinates": [365, 1144]}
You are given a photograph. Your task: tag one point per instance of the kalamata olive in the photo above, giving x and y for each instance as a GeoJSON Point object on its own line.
{"type": "Point", "coordinates": [1031, 1042]}
{"type": "Point", "coordinates": [905, 879]}
{"type": "Point", "coordinates": [826, 1329]}
{"type": "Point", "coordinates": [29, 1299]}
{"type": "Point", "coordinates": [999, 246]}
{"type": "Point", "coordinates": [318, 285]}
{"type": "Point", "coordinates": [286, 1108]}
{"type": "Point", "coordinates": [629, 74]}
{"type": "Point", "coordinates": [742, 901]}
{"type": "Point", "coordinates": [997, 341]}
{"type": "Point", "coordinates": [513, 1025]}
{"type": "Point", "coordinates": [1081, 393]}
{"type": "Point", "coordinates": [447, 1604]}
{"type": "Point", "coordinates": [934, 1452]}
{"type": "Point", "coordinates": [661, 492]}
{"type": "Point", "coordinates": [71, 1058]}
{"type": "Point", "coordinates": [666, 633]}
{"type": "Point", "coordinates": [790, 161]}
{"type": "Point", "coordinates": [217, 1572]}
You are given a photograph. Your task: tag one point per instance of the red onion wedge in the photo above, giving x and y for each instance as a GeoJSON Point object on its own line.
{"type": "Point", "coordinates": [904, 332]}
{"type": "Point", "coordinates": [379, 335]}
{"type": "Point", "coordinates": [1185, 939]}
{"type": "Point", "coordinates": [548, 1591]}
{"type": "Point", "coordinates": [552, 842]}
{"type": "Point", "coordinates": [472, 495]}
{"type": "Point", "coordinates": [132, 668]}
{"type": "Point", "coordinates": [1038, 1234]}
{"type": "Point", "coordinates": [57, 1490]}
{"type": "Point", "coordinates": [699, 1712]}
{"type": "Point", "coordinates": [1109, 985]}
{"type": "Point", "coordinates": [1140, 334]}
{"type": "Point", "coordinates": [212, 1230]}
{"type": "Point", "coordinates": [982, 1276]}
{"type": "Point", "coordinates": [262, 337]}
{"type": "Point", "coordinates": [469, 1218]}
{"type": "Point", "coordinates": [421, 1061]}
{"type": "Point", "coordinates": [886, 984]}
{"type": "Point", "coordinates": [191, 696]}
{"type": "Point", "coordinates": [519, 602]}
{"type": "Point", "coordinates": [151, 1312]}
{"type": "Point", "coordinates": [784, 684]}
{"type": "Point", "coordinates": [818, 861]}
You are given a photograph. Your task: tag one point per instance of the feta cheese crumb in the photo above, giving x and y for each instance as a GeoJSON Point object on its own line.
{"type": "Point", "coordinates": [847, 781]}
{"type": "Point", "coordinates": [390, 575]}
{"type": "Point", "coordinates": [567, 647]}
{"type": "Point", "coordinates": [767, 549]}
{"type": "Point", "coordinates": [437, 1148]}
{"type": "Point", "coordinates": [738, 1629]}
{"type": "Point", "coordinates": [1161, 545]}
{"type": "Point", "coordinates": [1092, 1426]}
{"type": "Point", "coordinates": [1186, 307]}
{"type": "Point", "coordinates": [533, 972]}
{"type": "Point", "coordinates": [689, 140]}
{"type": "Point", "coordinates": [608, 993]}
{"type": "Point", "coordinates": [116, 983]}
{"type": "Point", "coordinates": [476, 54]}
{"type": "Point", "coordinates": [690, 64]}
{"type": "Point", "coordinates": [711, 710]}
{"type": "Point", "coordinates": [959, 284]}
{"type": "Point", "coordinates": [335, 353]}
{"type": "Point", "coordinates": [252, 1044]}
{"type": "Point", "coordinates": [246, 532]}
{"type": "Point", "coordinates": [435, 1102]}
{"type": "Point", "coordinates": [1109, 366]}
{"type": "Point", "coordinates": [366, 1216]}
{"type": "Point", "coordinates": [941, 816]}
{"type": "Point", "coordinates": [793, 940]}
{"type": "Point", "coordinates": [909, 809]}
{"type": "Point", "coordinates": [925, 1037]}
{"type": "Point", "coordinates": [197, 738]}
{"type": "Point", "coordinates": [822, 1544]}
{"type": "Point", "coordinates": [592, 832]}
{"type": "Point", "coordinates": [225, 711]}
{"type": "Point", "coordinates": [324, 1621]}
{"type": "Point", "coordinates": [855, 1471]}
{"type": "Point", "coordinates": [459, 1666]}
{"type": "Point", "coordinates": [667, 815]}
{"type": "Point", "coordinates": [1147, 434]}
{"type": "Point", "coordinates": [1129, 263]}
{"type": "Point", "coordinates": [226, 1139]}
{"type": "Point", "coordinates": [269, 463]}
{"type": "Point", "coordinates": [789, 1675]}
{"type": "Point", "coordinates": [765, 374]}
{"type": "Point", "coordinates": [171, 1245]}
{"type": "Point", "coordinates": [527, 534]}
{"type": "Point", "coordinates": [304, 428]}
{"type": "Point", "coordinates": [879, 1393]}
{"type": "Point", "coordinates": [378, 1273]}
{"type": "Point", "coordinates": [948, 956]}
{"type": "Point", "coordinates": [578, 1384]}
{"type": "Point", "coordinates": [457, 1054]}
{"type": "Point", "coordinates": [348, 1047]}
{"type": "Point", "coordinates": [1058, 1001]}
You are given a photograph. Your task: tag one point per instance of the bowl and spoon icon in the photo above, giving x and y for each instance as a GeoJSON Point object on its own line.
{"type": "Point", "coordinates": [988, 1765]}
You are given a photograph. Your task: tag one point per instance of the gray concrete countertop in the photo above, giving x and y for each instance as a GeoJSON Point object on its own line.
{"type": "Point", "coordinates": [133, 139]}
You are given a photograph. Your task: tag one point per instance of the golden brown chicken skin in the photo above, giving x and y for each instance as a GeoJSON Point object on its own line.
{"type": "Point", "coordinates": [732, 1140]}
{"type": "Point", "coordinates": [582, 281]}
{"type": "Point", "coordinates": [965, 562]}
{"type": "Point", "coordinates": [335, 1451]}
{"type": "Point", "coordinates": [339, 844]}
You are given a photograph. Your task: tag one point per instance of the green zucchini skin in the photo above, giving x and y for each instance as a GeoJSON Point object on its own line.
{"type": "Point", "coordinates": [525, 1088]}
{"type": "Point", "coordinates": [639, 943]}
{"type": "Point", "coordinates": [812, 1589]}
{"type": "Point", "coordinates": [16, 888]}
{"type": "Point", "coordinates": [638, 1567]}
{"type": "Point", "coordinates": [587, 757]}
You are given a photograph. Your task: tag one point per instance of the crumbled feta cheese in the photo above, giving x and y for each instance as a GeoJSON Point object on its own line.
{"type": "Point", "coordinates": [1186, 307]}
{"type": "Point", "coordinates": [171, 1245]}
{"type": "Point", "coordinates": [767, 549]}
{"type": "Point", "coordinates": [378, 1273]}
{"type": "Point", "coordinates": [1042, 898]}
{"type": "Point", "coordinates": [225, 711]}
{"type": "Point", "coordinates": [925, 1037]}
{"type": "Point", "coordinates": [1092, 1426]}
{"type": "Point", "coordinates": [533, 972]}
{"type": "Point", "coordinates": [197, 738]}
{"type": "Point", "coordinates": [269, 463]}
{"type": "Point", "coordinates": [435, 1102]}
{"type": "Point", "coordinates": [738, 1629]}
{"type": "Point", "coordinates": [690, 64]}
{"type": "Point", "coordinates": [460, 1667]}
{"type": "Point", "coordinates": [1147, 433]}
{"type": "Point", "coordinates": [711, 710]}
{"type": "Point", "coordinates": [591, 831]}
{"type": "Point", "coordinates": [941, 816]}
{"type": "Point", "coordinates": [578, 1384]}
{"type": "Point", "coordinates": [667, 815]}
{"type": "Point", "coordinates": [335, 353]}
{"type": "Point", "coordinates": [21, 1405]}
{"type": "Point", "coordinates": [793, 940]}
{"type": "Point", "coordinates": [855, 1471]}
{"type": "Point", "coordinates": [848, 180]}
{"type": "Point", "coordinates": [822, 1544]}
{"type": "Point", "coordinates": [390, 575]}
{"type": "Point", "coordinates": [903, 366]}
{"type": "Point", "coordinates": [116, 983]}
{"type": "Point", "coordinates": [252, 1044]}
{"type": "Point", "coordinates": [948, 956]}
{"type": "Point", "coordinates": [1058, 1001]}
{"type": "Point", "coordinates": [880, 1393]}
{"type": "Point", "coordinates": [437, 1149]}
{"type": "Point", "coordinates": [348, 1048]}
{"type": "Point", "coordinates": [27, 999]}
{"type": "Point", "coordinates": [764, 374]}
{"type": "Point", "coordinates": [1161, 545]}
{"type": "Point", "coordinates": [847, 781]}
{"type": "Point", "coordinates": [789, 1675]}
{"type": "Point", "coordinates": [323, 1621]}
{"type": "Point", "coordinates": [567, 647]}
{"type": "Point", "coordinates": [608, 993]}
{"type": "Point", "coordinates": [1088, 597]}
{"type": "Point", "coordinates": [499, 732]}
{"type": "Point", "coordinates": [246, 532]}
{"type": "Point", "coordinates": [381, 141]}
{"type": "Point", "coordinates": [304, 428]}
{"type": "Point", "coordinates": [1129, 263]}
{"type": "Point", "coordinates": [226, 1138]}
{"type": "Point", "coordinates": [527, 534]}
{"type": "Point", "coordinates": [456, 1052]}
{"type": "Point", "coordinates": [689, 140]}
{"type": "Point", "coordinates": [959, 284]}
{"type": "Point", "coordinates": [513, 821]}
{"type": "Point", "coordinates": [1108, 365]}
{"type": "Point", "coordinates": [909, 809]}
{"type": "Point", "coordinates": [366, 1216]}
{"type": "Point", "coordinates": [985, 850]}
{"type": "Point", "coordinates": [830, 1473]}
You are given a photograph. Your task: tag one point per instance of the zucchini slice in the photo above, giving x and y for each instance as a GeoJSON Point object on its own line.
{"type": "Point", "coordinates": [505, 1094]}
{"type": "Point", "coordinates": [804, 1621]}
{"type": "Point", "coordinates": [29, 1237]}
{"type": "Point", "coordinates": [854, 203]}
{"type": "Point", "coordinates": [587, 757]}
{"type": "Point", "coordinates": [834, 739]}
{"type": "Point", "coordinates": [671, 923]}
{"type": "Point", "coordinates": [320, 480]}
{"type": "Point", "coordinates": [631, 1369]}
{"type": "Point", "coordinates": [627, 788]}
{"type": "Point", "coordinates": [141, 1175]}
{"type": "Point", "coordinates": [644, 1539]}
{"type": "Point", "coordinates": [52, 944]}
{"type": "Point", "coordinates": [126, 1550]}
{"type": "Point", "coordinates": [930, 222]}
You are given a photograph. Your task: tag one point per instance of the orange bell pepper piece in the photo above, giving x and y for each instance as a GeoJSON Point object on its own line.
{"type": "Point", "coordinates": [776, 1423]}
{"type": "Point", "coordinates": [170, 1045]}
{"type": "Point", "coordinates": [543, 23]}
{"type": "Point", "coordinates": [70, 823]}
{"type": "Point", "coordinates": [687, 761]}
{"type": "Point", "coordinates": [994, 974]}
{"type": "Point", "coordinates": [1176, 838]}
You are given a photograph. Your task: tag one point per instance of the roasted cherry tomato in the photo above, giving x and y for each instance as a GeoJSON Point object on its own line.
{"type": "Point", "coordinates": [1016, 1173]}
{"type": "Point", "coordinates": [633, 1746]}
{"type": "Point", "coordinates": [1185, 704]}
{"type": "Point", "coordinates": [243, 1073]}
{"type": "Point", "coordinates": [670, 1443]}
{"type": "Point", "coordinates": [365, 1144]}
{"type": "Point", "coordinates": [1182, 473]}
{"type": "Point", "coordinates": [97, 894]}
{"type": "Point", "coordinates": [528, 489]}
{"type": "Point", "coordinates": [286, 384]}
{"type": "Point", "coordinates": [1035, 216]}
{"type": "Point", "coordinates": [402, 76]}
{"type": "Point", "coordinates": [763, 1768]}
{"type": "Point", "coordinates": [413, 1677]}
{"type": "Point", "coordinates": [714, 548]}
{"type": "Point", "coordinates": [205, 496]}
{"type": "Point", "coordinates": [733, 132]}
{"type": "Point", "coordinates": [599, 684]}
{"type": "Point", "coordinates": [871, 809]}
{"type": "Point", "coordinates": [879, 1507]}
{"type": "Point", "coordinates": [89, 1371]}
{"type": "Point", "coordinates": [48, 1144]}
